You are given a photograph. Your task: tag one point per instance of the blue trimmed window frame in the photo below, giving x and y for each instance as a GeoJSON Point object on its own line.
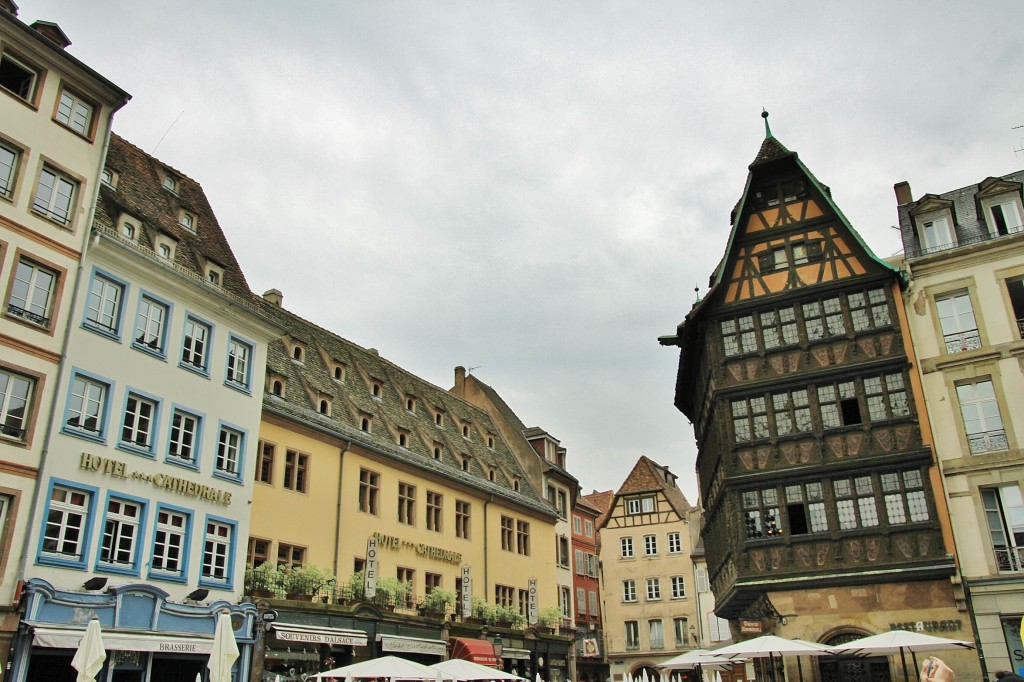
{"type": "Point", "coordinates": [239, 379]}
{"type": "Point", "coordinates": [84, 535]}
{"type": "Point", "coordinates": [227, 582]}
{"type": "Point", "coordinates": [243, 438]}
{"type": "Point", "coordinates": [167, 576]}
{"type": "Point", "coordinates": [187, 354]}
{"type": "Point", "coordinates": [102, 566]}
{"type": "Point", "coordinates": [155, 345]}
{"type": "Point", "coordinates": [148, 449]}
{"type": "Point", "coordinates": [191, 463]}
{"type": "Point", "coordinates": [95, 313]}
{"type": "Point", "coordinates": [99, 434]}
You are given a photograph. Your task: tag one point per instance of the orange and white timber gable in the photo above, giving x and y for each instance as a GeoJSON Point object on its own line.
{"type": "Point", "coordinates": [641, 509]}
{"type": "Point", "coordinates": [788, 234]}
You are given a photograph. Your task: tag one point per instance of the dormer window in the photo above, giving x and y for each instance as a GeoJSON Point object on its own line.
{"type": "Point", "coordinates": [439, 418]}
{"type": "Point", "coordinates": [109, 178]}
{"type": "Point", "coordinates": [403, 439]}
{"type": "Point", "coordinates": [339, 373]}
{"type": "Point", "coordinates": [170, 183]}
{"type": "Point", "coordinates": [438, 448]}
{"type": "Point", "coordinates": [214, 274]}
{"type": "Point", "coordinates": [277, 387]}
{"type": "Point", "coordinates": [410, 403]}
{"type": "Point", "coordinates": [325, 406]}
{"type": "Point", "coordinates": [1003, 215]}
{"type": "Point", "coordinates": [490, 441]}
{"type": "Point", "coordinates": [164, 246]}
{"type": "Point", "coordinates": [365, 423]}
{"type": "Point", "coordinates": [128, 230]}
{"type": "Point", "coordinates": [375, 389]}
{"type": "Point", "coordinates": [490, 474]}
{"type": "Point", "coordinates": [515, 484]}
{"type": "Point", "coordinates": [465, 430]}
{"type": "Point", "coordinates": [298, 352]}
{"type": "Point", "coordinates": [465, 462]}
{"type": "Point", "coordinates": [187, 220]}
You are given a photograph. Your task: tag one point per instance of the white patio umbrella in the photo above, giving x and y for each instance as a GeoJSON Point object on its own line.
{"type": "Point", "coordinates": [225, 650]}
{"type": "Point", "coordinates": [90, 655]}
{"type": "Point", "coordinates": [391, 667]}
{"type": "Point", "coordinates": [461, 669]}
{"type": "Point", "coordinates": [770, 646]}
{"type": "Point", "coordinates": [900, 641]}
{"type": "Point", "coordinates": [696, 659]}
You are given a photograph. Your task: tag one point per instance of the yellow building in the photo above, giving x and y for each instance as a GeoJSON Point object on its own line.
{"type": "Point", "coordinates": [353, 447]}
{"type": "Point", "coordinates": [651, 603]}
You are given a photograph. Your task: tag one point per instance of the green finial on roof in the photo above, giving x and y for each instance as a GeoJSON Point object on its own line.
{"type": "Point", "coordinates": [767, 128]}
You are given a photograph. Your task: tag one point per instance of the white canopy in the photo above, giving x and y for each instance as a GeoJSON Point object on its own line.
{"type": "Point", "coordinates": [390, 667]}
{"type": "Point", "coordinates": [767, 646]}
{"type": "Point", "coordinates": [696, 658]}
{"type": "Point", "coordinates": [895, 641]}
{"type": "Point", "coordinates": [461, 669]}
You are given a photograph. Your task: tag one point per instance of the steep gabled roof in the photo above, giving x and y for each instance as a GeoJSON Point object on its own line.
{"type": "Point", "coordinates": [351, 399]}
{"type": "Point", "coordinates": [648, 476]}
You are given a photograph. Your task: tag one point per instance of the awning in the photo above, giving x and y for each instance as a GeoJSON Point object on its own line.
{"type": "Point", "coordinates": [515, 654]}
{"type": "Point", "coordinates": [476, 650]}
{"type": "Point", "coordinates": [61, 638]}
{"type": "Point", "coordinates": [412, 645]}
{"type": "Point", "coordinates": [315, 634]}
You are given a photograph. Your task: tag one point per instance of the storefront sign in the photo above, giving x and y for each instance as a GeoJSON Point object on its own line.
{"type": "Point", "coordinates": [515, 654]}
{"type": "Point", "coordinates": [370, 568]}
{"type": "Point", "coordinates": [320, 638]}
{"type": "Point", "coordinates": [467, 591]}
{"type": "Point", "coordinates": [412, 645]}
{"type": "Point", "coordinates": [750, 627]}
{"type": "Point", "coordinates": [112, 467]}
{"type": "Point", "coordinates": [428, 551]}
{"type": "Point", "coordinates": [531, 604]}
{"type": "Point", "coordinates": [928, 626]}
{"type": "Point", "coordinates": [590, 647]}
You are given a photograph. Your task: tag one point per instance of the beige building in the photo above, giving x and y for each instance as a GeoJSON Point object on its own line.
{"type": "Point", "coordinates": [650, 599]}
{"type": "Point", "coordinates": [55, 115]}
{"type": "Point", "coordinates": [964, 254]}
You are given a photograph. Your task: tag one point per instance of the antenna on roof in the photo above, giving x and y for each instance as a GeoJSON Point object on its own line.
{"type": "Point", "coordinates": [165, 134]}
{"type": "Point", "coordinates": [470, 370]}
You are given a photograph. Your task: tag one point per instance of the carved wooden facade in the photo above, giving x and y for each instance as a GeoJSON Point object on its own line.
{"type": "Point", "coordinates": [794, 369]}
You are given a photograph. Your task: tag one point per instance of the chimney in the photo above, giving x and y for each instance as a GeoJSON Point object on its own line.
{"type": "Point", "coordinates": [9, 7]}
{"type": "Point", "coordinates": [52, 32]}
{"type": "Point", "coordinates": [460, 381]}
{"type": "Point", "coordinates": [903, 193]}
{"type": "Point", "coordinates": [274, 297]}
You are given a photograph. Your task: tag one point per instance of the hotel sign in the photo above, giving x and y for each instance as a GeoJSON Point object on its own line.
{"type": "Point", "coordinates": [467, 591]}
{"type": "Point", "coordinates": [531, 605]}
{"type": "Point", "coordinates": [370, 568]}
{"type": "Point", "coordinates": [428, 551]}
{"type": "Point", "coordinates": [182, 486]}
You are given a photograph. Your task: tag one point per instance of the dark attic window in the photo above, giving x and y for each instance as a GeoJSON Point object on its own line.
{"type": "Point", "coordinates": [277, 387]}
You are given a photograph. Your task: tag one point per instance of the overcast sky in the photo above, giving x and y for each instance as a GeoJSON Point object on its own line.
{"type": "Point", "coordinates": [534, 189]}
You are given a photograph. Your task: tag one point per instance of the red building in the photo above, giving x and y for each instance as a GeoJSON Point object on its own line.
{"type": "Point", "coordinates": [590, 662]}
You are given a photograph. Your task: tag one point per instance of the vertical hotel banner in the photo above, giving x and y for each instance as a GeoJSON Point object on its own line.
{"type": "Point", "coordinates": [467, 592]}
{"type": "Point", "coordinates": [531, 606]}
{"type": "Point", "coordinates": [370, 568]}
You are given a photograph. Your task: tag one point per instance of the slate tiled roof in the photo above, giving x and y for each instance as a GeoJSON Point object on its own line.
{"type": "Point", "coordinates": [309, 381]}
{"type": "Point", "coordinates": [970, 226]}
{"type": "Point", "coordinates": [139, 193]}
{"type": "Point", "coordinates": [648, 476]}
{"type": "Point", "coordinates": [771, 150]}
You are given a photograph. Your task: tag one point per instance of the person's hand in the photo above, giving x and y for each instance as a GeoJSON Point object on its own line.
{"type": "Point", "coordinates": [935, 670]}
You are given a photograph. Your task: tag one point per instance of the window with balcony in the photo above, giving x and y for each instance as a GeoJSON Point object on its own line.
{"type": "Point", "coordinates": [16, 404]}
{"type": "Point", "coordinates": [956, 318]}
{"type": "Point", "coordinates": [55, 196]}
{"type": "Point", "coordinates": [1004, 510]}
{"type": "Point", "coordinates": [1015, 288]}
{"type": "Point", "coordinates": [9, 157]}
{"type": "Point", "coordinates": [936, 234]}
{"type": "Point", "coordinates": [1003, 216]}
{"type": "Point", "coordinates": [33, 291]}
{"type": "Point", "coordinates": [982, 420]}
{"type": "Point", "coordinates": [656, 633]}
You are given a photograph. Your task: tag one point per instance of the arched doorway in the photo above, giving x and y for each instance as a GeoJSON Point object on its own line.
{"type": "Point", "coordinates": [852, 668]}
{"type": "Point", "coordinates": [644, 673]}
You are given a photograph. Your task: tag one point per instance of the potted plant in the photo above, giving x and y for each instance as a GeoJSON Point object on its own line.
{"type": "Point", "coordinates": [509, 616]}
{"type": "Point", "coordinates": [549, 617]}
{"type": "Point", "coordinates": [436, 603]}
{"type": "Point", "coordinates": [301, 582]}
{"type": "Point", "coordinates": [355, 587]}
{"type": "Point", "coordinates": [482, 611]}
{"type": "Point", "coordinates": [265, 580]}
{"type": "Point", "coordinates": [392, 592]}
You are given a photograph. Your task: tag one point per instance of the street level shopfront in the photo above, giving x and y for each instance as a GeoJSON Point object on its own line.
{"type": "Point", "coordinates": [147, 638]}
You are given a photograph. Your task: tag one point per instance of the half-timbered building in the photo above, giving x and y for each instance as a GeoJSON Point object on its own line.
{"type": "Point", "coordinates": [824, 513]}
